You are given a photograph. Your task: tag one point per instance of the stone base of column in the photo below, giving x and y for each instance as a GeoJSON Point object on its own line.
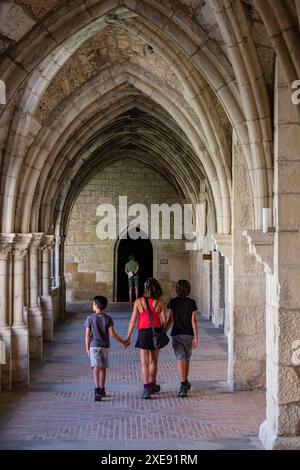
{"type": "Point", "coordinates": [47, 309]}
{"type": "Point", "coordinates": [271, 441]}
{"type": "Point", "coordinates": [247, 375]}
{"type": "Point", "coordinates": [35, 333]}
{"type": "Point", "coordinates": [6, 369]}
{"type": "Point", "coordinates": [20, 355]}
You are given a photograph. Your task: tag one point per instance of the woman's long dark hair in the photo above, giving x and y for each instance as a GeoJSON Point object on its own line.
{"type": "Point", "coordinates": [153, 288]}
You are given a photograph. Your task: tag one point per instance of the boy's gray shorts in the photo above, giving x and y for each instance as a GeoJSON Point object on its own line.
{"type": "Point", "coordinates": [182, 345]}
{"type": "Point", "coordinates": [99, 357]}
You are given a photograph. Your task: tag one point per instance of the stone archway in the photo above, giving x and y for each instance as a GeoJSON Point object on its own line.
{"type": "Point", "coordinates": [142, 250]}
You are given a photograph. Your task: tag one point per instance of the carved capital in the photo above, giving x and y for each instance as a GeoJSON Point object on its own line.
{"type": "Point", "coordinates": [20, 245]}
{"type": "Point", "coordinates": [19, 253]}
{"type": "Point", "coordinates": [5, 251]}
{"type": "Point", "coordinates": [47, 243]}
{"type": "Point", "coordinates": [35, 242]}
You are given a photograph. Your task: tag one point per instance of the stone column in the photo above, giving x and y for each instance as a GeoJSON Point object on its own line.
{"type": "Point", "coordinates": [35, 311]}
{"type": "Point", "coordinates": [281, 430]}
{"type": "Point", "coordinates": [59, 259]}
{"type": "Point", "coordinates": [218, 281]}
{"type": "Point", "coordinates": [247, 330]}
{"type": "Point", "coordinates": [46, 299]}
{"type": "Point", "coordinates": [20, 333]}
{"type": "Point", "coordinates": [5, 313]}
{"type": "Point", "coordinates": [223, 244]}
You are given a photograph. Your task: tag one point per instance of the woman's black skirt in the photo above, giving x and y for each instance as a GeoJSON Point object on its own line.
{"type": "Point", "coordinates": [145, 339]}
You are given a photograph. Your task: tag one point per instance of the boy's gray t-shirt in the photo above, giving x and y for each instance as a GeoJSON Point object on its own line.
{"type": "Point", "coordinates": [99, 324]}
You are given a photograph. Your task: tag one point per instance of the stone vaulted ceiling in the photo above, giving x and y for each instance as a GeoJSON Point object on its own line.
{"type": "Point", "coordinates": [88, 81]}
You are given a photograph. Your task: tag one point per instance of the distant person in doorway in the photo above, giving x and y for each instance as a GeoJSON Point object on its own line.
{"type": "Point", "coordinates": [183, 317]}
{"type": "Point", "coordinates": [99, 328]}
{"type": "Point", "coordinates": [148, 354]}
{"type": "Point", "coordinates": [132, 271]}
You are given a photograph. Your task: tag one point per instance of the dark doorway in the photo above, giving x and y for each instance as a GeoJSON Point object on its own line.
{"type": "Point", "coordinates": [143, 253]}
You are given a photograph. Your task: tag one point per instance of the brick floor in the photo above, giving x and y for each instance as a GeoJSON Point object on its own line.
{"type": "Point", "coordinates": [59, 412]}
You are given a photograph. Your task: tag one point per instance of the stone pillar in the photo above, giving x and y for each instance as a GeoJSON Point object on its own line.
{"type": "Point", "coordinates": [205, 304]}
{"type": "Point", "coordinates": [218, 281]}
{"type": "Point", "coordinates": [20, 333]}
{"type": "Point", "coordinates": [5, 312]}
{"type": "Point", "coordinates": [247, 330]}
{"type": "Point", "coordinates": [35, 311]}
{"type": "Point", "coordinates": [223, 244]}
{"type": "Point", "coordinates": [59, 256]}
{"type": "Point", "coordinates": [281, 430]}
{"type": "Point", "coordinates": [46, 299]}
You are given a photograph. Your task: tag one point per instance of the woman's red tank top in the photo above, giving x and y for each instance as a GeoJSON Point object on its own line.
{"type": "Point", "coordinates": [144, 321]}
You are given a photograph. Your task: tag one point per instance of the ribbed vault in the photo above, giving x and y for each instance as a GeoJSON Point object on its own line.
{"type": "Point", "coordinates": [76, 72]}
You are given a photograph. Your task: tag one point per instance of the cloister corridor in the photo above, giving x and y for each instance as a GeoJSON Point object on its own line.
{"type": "Point", "coordinates": [58, 411]}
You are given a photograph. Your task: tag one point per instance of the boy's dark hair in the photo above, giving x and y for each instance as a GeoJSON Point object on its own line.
{"type": "Point", "coordinates": [153, 288]}
{"type": "Point", "coordinates": [100, 301]}
{"type": "Point", "coordinates": [131, 257]}
{"type": "Point", "coordinates": [183, 288]}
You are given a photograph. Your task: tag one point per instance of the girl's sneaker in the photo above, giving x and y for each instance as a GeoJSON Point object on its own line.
{"type": "Point", "coordinates": [102, 392]}
{"type": "Point", "coordinates": [183, 391]}
{"type": "Point", "coordinates": [155, 389]}
{"type": "Point", "coordinates": [98, 396]}
{"type": "Point", "coordinates": [146, 394]}
{"type": "Point", "coordinates": [188, 385]}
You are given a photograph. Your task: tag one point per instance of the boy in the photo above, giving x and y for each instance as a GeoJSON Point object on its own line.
{"type": "Point", "coordinates": [183, 313]}
{"type": "Point", "coordinates": [99, 327]}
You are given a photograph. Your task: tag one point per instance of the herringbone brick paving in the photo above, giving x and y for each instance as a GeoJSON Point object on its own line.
{"type": "Point", "coordinates": [59, 406]}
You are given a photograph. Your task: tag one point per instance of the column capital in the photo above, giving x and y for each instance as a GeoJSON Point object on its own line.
{"type": "Point", "coordinates": [47, 242]}
{"type": "Point", "coordinates": [5, 251]}
{"type": "Point", "coordinates": [7, 238]}
{"type": "Point", "coordinates": [36, 240]}
{"type": "Point", "coordinates": [20, 244]}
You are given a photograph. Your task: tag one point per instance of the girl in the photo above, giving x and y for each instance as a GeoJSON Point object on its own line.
{"type": "Point", "coordinates": [148, 353]}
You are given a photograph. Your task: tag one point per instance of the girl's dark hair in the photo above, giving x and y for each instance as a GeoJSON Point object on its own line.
{"type": "Point", "coordinates": [183, 288]}
{"type": "Point", "coordinates": [153, 288]}
{"type": "Point", "coordinates": [100, 301]}
{"type": "Point", "coordinates": [131, 257]}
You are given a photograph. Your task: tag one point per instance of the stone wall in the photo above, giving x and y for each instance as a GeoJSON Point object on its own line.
{"type": "Point", "coordinates": [89, 261]}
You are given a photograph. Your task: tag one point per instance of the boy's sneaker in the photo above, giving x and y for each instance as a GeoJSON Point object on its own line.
{"type": "Point", "coordinates": [188, 385]}
{"type": "Point", "coordinates": [146, 393]}
{"type": "Point", "coordinates": [155, 389]}
{"type": "Point", "coordinates": [183, 391]}
{"type": "Point", "coordinates": [98, 396]}
{"type": "Point", "coordinates": [102, 392]}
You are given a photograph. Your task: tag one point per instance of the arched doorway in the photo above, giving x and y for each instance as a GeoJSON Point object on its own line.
{"type": "Point", "coordinates": [143, 252]}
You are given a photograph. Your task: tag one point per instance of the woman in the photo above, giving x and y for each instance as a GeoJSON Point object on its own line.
{"type": "Point", "coordinates": [183, 316]}
{"type": "Point", "coordinates": [148, 354]}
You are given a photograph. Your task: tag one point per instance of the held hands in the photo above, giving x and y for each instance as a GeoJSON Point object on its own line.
{"type": "Point", "coordinates": [126, 342]}
{"type": "Point", "coordinates": [195, 343]}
